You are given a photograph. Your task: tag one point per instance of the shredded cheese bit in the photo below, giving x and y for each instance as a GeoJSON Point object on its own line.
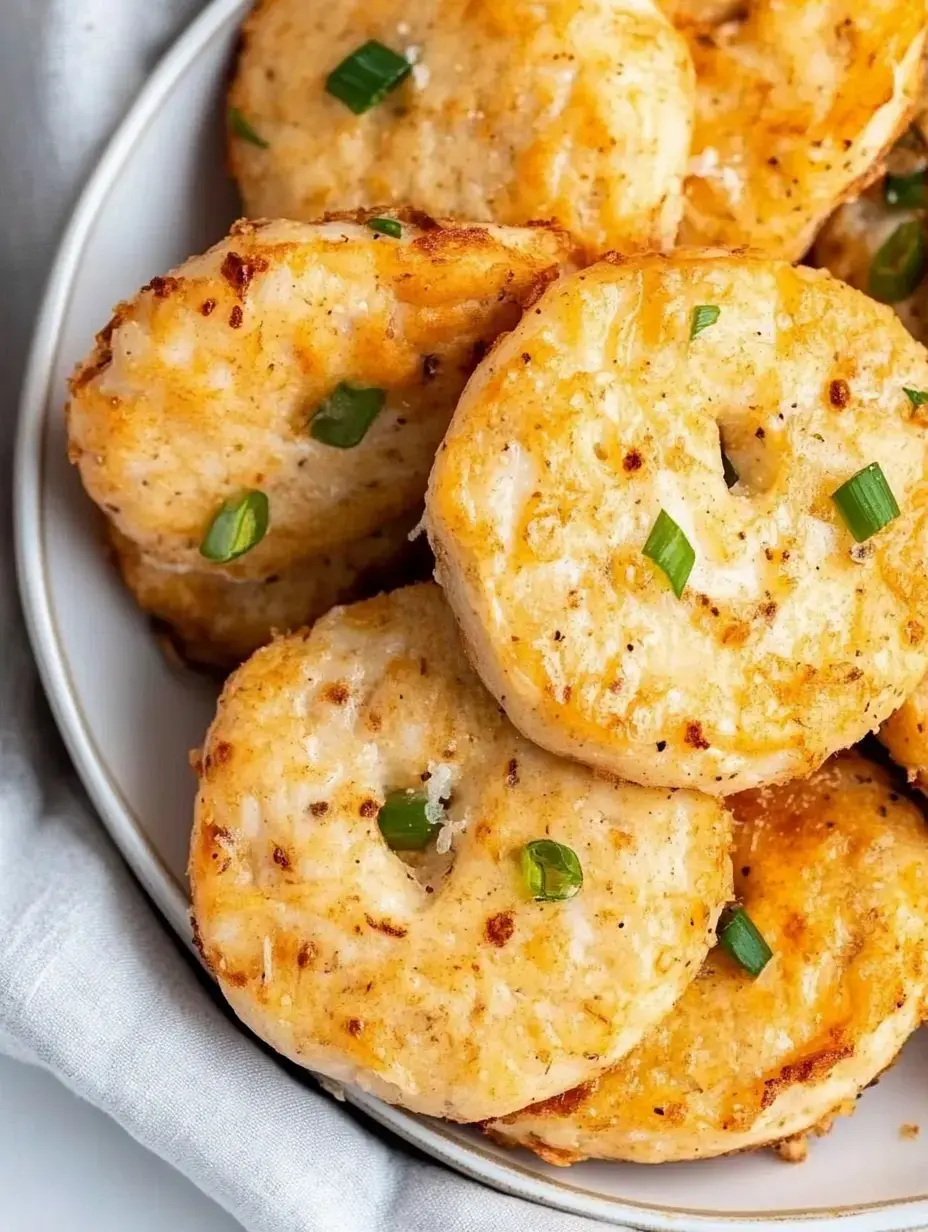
{"type": "Point", "coordinates": [268, 961]}
{"type": "Point", "coordinates": [438, 788]}
{"type": "Point", "coordinates": [449, 832]}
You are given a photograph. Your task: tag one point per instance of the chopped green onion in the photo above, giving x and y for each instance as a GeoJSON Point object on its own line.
{"type": "Point", "coordinates": [906, 191]}
{"type": "Point", "coordinates": [552, 871]}
{"type": "Point", "coordinates": [344, 417]}
{"type": "Point", "coordinates": [367, 76]}
{"type": "Point", "coordinates": [386, 226]}
{"type": "Point", "coordinates": [918, 397]}
{"type": "Point", "coordinates": [404, 822]}
{"type": "Point", "coordinates": [671, 551]}
{"type": "Point", "coordinates": [866, 502]}
{"type": "Point", "coordinates": [240, 126]}
{"type": "Point", "coordinates": [240, 524]}
{"type": "Point", "coordinates": [739, 936]}
{"type": "Point", "coordinates": [704, 315]}
{"type": "Point", "coordinates": [899, 265]}
{"type": "Point", "coordinates": [729, 473]}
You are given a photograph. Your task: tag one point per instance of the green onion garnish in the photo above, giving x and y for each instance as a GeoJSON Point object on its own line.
{"type": "Point", "coordinates": [729, 473]}
{"type": "Point", "coordinates": [671, 551]}
{"type": "Point", "coordinates": [739, 936]}
{"type": "Point", "coordinates": [866, 502]}
{"type": "Point", "coordinates": [704, 315]}
{"type": "Point", "coordinates": [367, 76]}
{"type": "Point", "coordinates": [899, 264]}
{"type": "Point", "coordinates": [344, 417]}
{"type": "Point", "coordinates": [906, 191]}
{"type": "Point", "coordinates": [918, 397]}
{"type": "Point", "coordinates": [404, 821]}
{"type": "Point", "coordinates": [552, 871]}
{"type": "Point", "coordinates": [386, 226]}
{"type": "Point", "coordinates": [240, 126]}
{"type": "Point", "coordinates": [240, 525]}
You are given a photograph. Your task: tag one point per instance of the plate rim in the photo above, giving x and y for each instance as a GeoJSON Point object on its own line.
{"type": "Point", "coordinates": [115, 811]}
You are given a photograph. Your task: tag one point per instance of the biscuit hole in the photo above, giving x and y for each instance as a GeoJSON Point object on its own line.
{"type": "Point", "coordinates": [755, 451]}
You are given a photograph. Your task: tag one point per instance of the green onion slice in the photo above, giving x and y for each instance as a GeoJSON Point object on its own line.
{"type": "Point", "coordinates": [918, 397]}
{"type": "Point", "coordinates": [386, 226]}
{"type": "Point", "coordinates": [240, 126]}
{"type": "Point", "coordinates": [671, 551]}
{"type": "Point", "coordinates": [367, 76]}
{"type": "Point", "coordinates": [866, 502]}
{"type": "Point", "coordinates": [704, 315]}
{"type": "Point", "coordinates": [899, 265]}
{"type": "Point", "coordinates": [552, 871]}
{"type": "Point", "coordinates": [240, 524]}
{"type": "Point", "coordinates": [344, 417]}
{"type": "Point", "coordinates": [404, 821]}
{"type": "Point", "coordinates": [739, 936]}
{"type": "Point", "coordinates": [906, 192]}
{"type": "Point", "coordinates": [729, 473]}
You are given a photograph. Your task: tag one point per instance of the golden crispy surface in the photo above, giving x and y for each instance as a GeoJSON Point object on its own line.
{"type": "Point", "coordinates": [218, 621]}
{"type": "Point", "coordinates": [795, 104]}
{"type": "Point", "coordinates": [579, 110]}
{"type": "Point", "coordinates": [905, 735]}
{"type": "Point", "coordinates": [834, 872]}
{"type": "Point", "coordinates": [205, 383]}
{"type": "Point", "coordinates": [471, 1000]}
{"type": "Point", "coordinates": [596, 412]}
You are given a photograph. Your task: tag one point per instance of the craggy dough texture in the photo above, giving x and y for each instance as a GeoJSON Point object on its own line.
{"type": "Point", "coordinates": [217, 621]}
{"type": "Point", "coordinates": [834, 872]}
{"type": "Point", "coordinates": [467, 1002]}
{"type": "Point", "coordinates": [795, 104]}
{"type": "Point", "coordinates": [205, 383]}
{"type": "Point", "coordinates": [790, 641]}
{"type": "Point", "coordinates": [905, 735]}
{"type": "Point", "coordinates": [579, 110]}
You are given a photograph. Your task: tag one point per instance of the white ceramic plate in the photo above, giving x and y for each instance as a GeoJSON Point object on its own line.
{"type": "Point", "coordinates": [159, 194]}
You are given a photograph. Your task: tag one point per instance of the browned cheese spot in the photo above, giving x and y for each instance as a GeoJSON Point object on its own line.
{"type": "Point", "coordinates": [808, 1069]}
{"type": "Point", "coordinates": [384, 926]}
{"type": "Point", "coordinates": [694, 736]}
{"type": "Point", "coordinates": [565, 1104]}
{"type": "Point", "coordinates": [238, 271]}
{"type": "Point", "coordinates": [162, 287]}
{"type": "Point", "coordinates": [499, 928]}
{"type": "Point", "coordinates": [305, 954]}
{"type": "Point", "coordinates": [337, 693]}
{"type": "Point", "coordinates": [839, 394]}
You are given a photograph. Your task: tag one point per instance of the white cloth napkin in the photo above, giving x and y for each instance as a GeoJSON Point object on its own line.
{"type": "Point", "coordinates": [91, 985]}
